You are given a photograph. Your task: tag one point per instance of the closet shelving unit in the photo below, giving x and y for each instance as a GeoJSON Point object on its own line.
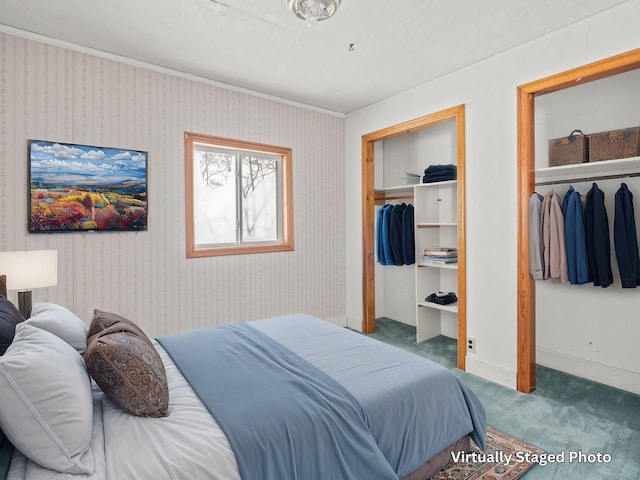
{"type": "Point", "coordinates": [436, 226]}
{"type": "Point", "coordinates": [439, 215]}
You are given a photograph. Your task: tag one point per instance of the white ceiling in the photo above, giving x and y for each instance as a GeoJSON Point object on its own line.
{"type": "Point", "coordinates": [259, 45]}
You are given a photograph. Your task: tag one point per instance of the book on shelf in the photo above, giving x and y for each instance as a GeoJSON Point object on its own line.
{"type": "Point", "coordinates": [441, 251]}
{"type": "Point", "coordinates": [431, 259]}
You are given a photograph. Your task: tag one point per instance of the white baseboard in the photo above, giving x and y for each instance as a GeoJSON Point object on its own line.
{"type": "Point", "coordinates": [491, 371]}
{"type": "Point", "coordinates": [354, 323]}
{"type": "Point", "coordinates": [597, 372]}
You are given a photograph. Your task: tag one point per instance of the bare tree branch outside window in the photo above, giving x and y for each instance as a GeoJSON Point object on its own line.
{"type": "Point", "coordinates": [254, 171]}
{"type": "Point", "coordinates": [215, 168]}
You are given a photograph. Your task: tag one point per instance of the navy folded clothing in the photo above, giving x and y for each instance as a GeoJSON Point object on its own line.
{"type": "Point", "coordinates": [442, 298]}
{"type": "Point", "coordinates": [437, 178]}
{"type": "Point", "coordinates": [440, 173]}
{"type": "Point", "coordinates": [440, 168]}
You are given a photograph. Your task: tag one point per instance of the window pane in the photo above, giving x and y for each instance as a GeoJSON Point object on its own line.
{"type": "Point", "coordinates": [214, 193]}
{"type": "Point", "coordinates": [259, 198]}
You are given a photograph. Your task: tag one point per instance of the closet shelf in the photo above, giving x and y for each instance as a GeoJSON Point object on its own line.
{"type": "Point", "coordinates": [409, 187]}
{"type": "Point", "coordinates": [397, 189]}
{"type": "Point", "coordinates": [449, 266]}
{"type": "Point", "coordinates": [436, 184]}
{"type": "Point", "coordinates": [402, 192]}
{"type": "Point", "coordinates": [453, 307]}
{"type": "Point", "coordinates": [583, 172]}
{"type": "Point", "coordinates": [435, 224]}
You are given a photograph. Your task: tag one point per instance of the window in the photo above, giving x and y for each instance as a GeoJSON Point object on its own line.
{"type": "Point", "coordinates": [239, 197]}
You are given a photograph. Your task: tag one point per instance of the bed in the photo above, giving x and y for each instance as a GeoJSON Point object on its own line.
{"type": "Point", "coordinates": [334, 404]}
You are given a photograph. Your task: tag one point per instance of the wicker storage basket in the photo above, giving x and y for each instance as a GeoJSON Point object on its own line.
{"type": "Point", "coordinates": [623, 143]}
{"type": "Point", "coordinates": [569, 150]}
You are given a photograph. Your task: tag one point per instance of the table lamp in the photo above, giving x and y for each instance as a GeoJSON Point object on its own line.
{"type": "Point", "coordinates": [26, 270]}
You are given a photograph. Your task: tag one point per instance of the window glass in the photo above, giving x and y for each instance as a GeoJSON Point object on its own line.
{"type": "Point", "coordinates": [214, 197]}
{"type": "Point", "coordinates": [260, 197]}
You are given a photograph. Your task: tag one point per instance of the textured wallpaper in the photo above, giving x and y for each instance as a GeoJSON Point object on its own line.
{"type": "Point", "coordinates": [52, 93]}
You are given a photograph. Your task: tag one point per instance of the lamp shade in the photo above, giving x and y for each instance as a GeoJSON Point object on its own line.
{"type": "Point", "coordinates": [26, 270]}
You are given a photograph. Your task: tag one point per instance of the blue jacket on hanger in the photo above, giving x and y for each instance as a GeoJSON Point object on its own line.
{"type": "Point", "coordinates": [395, 234]}
{"type": "Point", "coordinates": [596, 226]}
{"type": "Point", "coordinates": [575, 238]}
{"type": "Point", "coordinates": [385, 257]}
{"type": "Point", "coordinates": [408, 236]}
{"type": "Point", "coordinates": [625, 238]}
{"type": "Point", "coordinates": [379, 248]}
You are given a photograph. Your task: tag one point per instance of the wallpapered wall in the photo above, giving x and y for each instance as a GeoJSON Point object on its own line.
{"type": "Point", "coordinates": [53, 93]}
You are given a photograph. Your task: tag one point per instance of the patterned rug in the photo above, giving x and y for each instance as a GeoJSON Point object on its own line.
{"type": "Point", "coordinates": [504, 458]}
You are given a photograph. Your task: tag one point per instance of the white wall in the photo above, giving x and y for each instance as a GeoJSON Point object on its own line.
{"type": "Point", "coordinates": [488, 89]}
{"type": "Point", "coordinates": [53, 93]}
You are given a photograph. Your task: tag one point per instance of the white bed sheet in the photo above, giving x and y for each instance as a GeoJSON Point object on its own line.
{"type": "Point", "coordinates": [188, 444]}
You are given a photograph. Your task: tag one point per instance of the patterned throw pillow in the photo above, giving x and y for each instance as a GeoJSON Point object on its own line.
{"type": "Point", "coordinates": [102, 320]}
{"type": "Point", "coordinates": [127, 367]}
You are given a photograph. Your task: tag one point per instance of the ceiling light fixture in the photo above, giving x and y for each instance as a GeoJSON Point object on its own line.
{"type": "Point", "coordinates": [313, 11]}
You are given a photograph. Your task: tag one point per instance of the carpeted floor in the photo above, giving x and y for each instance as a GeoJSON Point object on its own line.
{"type": "Point", "coordinates": [566, 415]}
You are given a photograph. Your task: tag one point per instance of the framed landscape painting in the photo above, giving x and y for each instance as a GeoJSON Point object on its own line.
{"type": "Point", "coordinates": [80, 188]}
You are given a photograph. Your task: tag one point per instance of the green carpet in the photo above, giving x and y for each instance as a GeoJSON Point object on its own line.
{"type": "Point", "coordinates": [565, 415]}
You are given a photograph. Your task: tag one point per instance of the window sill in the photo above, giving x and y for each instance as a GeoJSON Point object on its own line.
{"type": "Point", "coordinates": [238, 250]}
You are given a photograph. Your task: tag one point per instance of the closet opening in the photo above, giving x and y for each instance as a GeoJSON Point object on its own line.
{"type": "Point", "coordinates": [439, 221]}
{"type": "Point", "coordinates": [536, 124]}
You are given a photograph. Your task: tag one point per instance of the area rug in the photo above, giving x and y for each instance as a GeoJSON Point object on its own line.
{"type": "Point", "coordinates": [504, 458]}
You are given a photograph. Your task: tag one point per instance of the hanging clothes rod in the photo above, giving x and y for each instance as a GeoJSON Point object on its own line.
{"type": "Point", "coordinates": [589, 179]}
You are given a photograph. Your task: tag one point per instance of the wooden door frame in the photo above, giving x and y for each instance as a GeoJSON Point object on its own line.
{"type": "Point", "coordinates": [526, 336]}
{"type": "Point", "coordinates": [453, 114]}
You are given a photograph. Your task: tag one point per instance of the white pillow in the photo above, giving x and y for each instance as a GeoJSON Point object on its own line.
{"type": "Point", "coordinates": [46, 404]}
{"type": "Point", "coordinates": [61, 322]}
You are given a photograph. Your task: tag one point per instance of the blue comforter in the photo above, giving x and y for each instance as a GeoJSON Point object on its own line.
{"type": "Point", "coordinates": [300, 398]}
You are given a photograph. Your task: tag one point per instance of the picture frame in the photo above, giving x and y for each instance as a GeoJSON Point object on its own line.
{"type": "Point", "coordinates": [83, 188]}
